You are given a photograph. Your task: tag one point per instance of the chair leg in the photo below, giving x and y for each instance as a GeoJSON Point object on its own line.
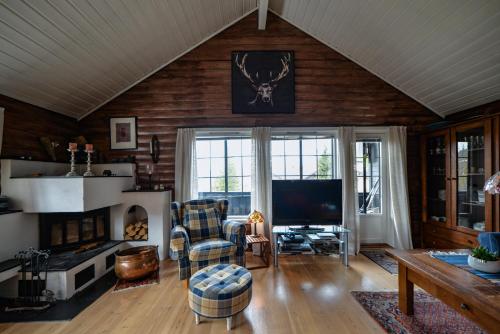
{"type": "Point", "coordinates": [229, 321]}
{"type": "Point", "coordinates": [185, 283]}
{"type": "Point", "coordinates": [197, 318]}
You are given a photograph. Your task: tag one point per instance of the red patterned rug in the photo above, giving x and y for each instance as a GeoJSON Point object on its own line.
{"type": "Point", "coordinates": [430, 314]}
{"type": "Point", "coordinates": [121, 285]}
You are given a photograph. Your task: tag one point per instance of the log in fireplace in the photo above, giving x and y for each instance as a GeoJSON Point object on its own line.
{"type": "Point", "coordinates": [70, 230]}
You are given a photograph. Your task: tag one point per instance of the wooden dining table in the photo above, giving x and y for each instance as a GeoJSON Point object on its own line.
{"type": "Point", "coordinates": [470, 295]}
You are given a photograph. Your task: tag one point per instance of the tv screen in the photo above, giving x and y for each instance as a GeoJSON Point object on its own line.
{"type": "Point", "coordinates": [307, 202]}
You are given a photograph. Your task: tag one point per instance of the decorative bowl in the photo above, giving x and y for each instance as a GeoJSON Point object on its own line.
{"type": "Point", "coordinates": [136, 262]}
{"type": "Point", "coordinates": [491, 267]}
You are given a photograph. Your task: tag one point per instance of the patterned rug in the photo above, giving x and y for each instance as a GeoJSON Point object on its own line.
{"type": "Point", "coordinates": [430, 314]}
{"type": "Point", "coordinates": [379, 257]}
{"type": "Point", "coordinates": [122, 285]}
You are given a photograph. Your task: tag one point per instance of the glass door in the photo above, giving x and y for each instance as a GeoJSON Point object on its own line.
{"type": "Point", "coordinates": [437, 178]}
{"type": "Point", "coordinates": [472, 164]}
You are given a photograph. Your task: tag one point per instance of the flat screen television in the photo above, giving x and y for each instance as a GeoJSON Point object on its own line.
{"type": "Point", "coordinates": [307, 202]}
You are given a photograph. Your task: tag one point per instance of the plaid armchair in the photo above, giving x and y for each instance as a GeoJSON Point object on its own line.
{"type": "Point", "coordinates": [196, 245]}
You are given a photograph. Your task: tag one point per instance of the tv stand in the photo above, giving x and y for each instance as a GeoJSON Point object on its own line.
{"type": "Point", "coordinates": [306, 229]}
{"type": "Point", "coordinates": [342, 233]}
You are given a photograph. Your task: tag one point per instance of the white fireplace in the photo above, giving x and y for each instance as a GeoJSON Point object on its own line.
{"type": "Point", "coordinates": [138, 206]}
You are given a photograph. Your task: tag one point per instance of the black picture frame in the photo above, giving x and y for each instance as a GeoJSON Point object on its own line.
{"type": "Point", "coordinates": [121, 146]}
{"type": "Point", "coordinates": [263, 82]}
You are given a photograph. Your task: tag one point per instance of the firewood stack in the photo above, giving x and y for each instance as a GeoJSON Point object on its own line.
{"type": "Point", "coordinates": [137, 230]}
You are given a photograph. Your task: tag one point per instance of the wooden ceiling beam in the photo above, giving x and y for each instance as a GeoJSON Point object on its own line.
{"type": "Point", "coordinates": [263, 6]}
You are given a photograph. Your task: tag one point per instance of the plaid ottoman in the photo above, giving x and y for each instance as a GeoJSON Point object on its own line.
{"type": "Point", "coordinates": [220, 291]}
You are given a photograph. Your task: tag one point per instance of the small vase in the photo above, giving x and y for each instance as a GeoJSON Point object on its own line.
{"type": "Point", "coordinates": [491, 267]}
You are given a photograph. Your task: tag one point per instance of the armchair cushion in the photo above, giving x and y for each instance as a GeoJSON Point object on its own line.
{"type": "Point", "coordinates": [211, 249]}
{"type": "Point", "coordinates": [202, 224]}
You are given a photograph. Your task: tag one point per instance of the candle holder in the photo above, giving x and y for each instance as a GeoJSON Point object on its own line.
{"type": "Point", "coordinates": [72, 171]}
{"type": "Point", "coordinates": [89, 162]}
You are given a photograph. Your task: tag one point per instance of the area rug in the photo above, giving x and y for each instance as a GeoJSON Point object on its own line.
{"type": "Point", "coordinates": [122, 285]}
{"type": "Point", "coordinates": [430, 314]}
{"type": "Point", "coordinates": [383, 260]}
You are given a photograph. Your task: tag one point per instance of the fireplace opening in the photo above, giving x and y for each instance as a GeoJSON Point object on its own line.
{"type": "Point", "coordinates": [68, 231]}
{"type": "Point", "coordinates": [135, 224]}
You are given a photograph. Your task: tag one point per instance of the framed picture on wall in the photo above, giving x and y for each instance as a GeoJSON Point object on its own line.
{"type": "Point", "coordinates": [123, 133]}
{"type": "Point", "coordinates": [262, 82]}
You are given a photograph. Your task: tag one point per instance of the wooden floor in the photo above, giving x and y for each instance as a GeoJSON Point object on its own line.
{"type": "Point", "coordinates": [306, 294]}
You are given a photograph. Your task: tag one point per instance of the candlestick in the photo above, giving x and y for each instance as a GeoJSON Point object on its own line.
{"type": "Point", "coordinates": [72, 171]}
{"type": "Point", "coordinates": [89, 152]}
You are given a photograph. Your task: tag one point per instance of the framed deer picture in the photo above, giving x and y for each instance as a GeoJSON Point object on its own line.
{"type": "Point", "coordinates": [263, 82]}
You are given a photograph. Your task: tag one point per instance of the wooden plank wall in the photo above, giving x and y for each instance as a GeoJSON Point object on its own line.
{"type": "Point", "coordinates": [24, 124]}
{"type": "Point", "coordinates": [195, 91]}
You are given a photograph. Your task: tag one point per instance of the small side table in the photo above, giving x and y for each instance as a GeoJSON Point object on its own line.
{"type": "Point", "coordinates": [265, 248]}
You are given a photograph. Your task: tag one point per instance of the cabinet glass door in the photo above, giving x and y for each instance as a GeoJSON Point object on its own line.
{"type": "Point", "coordinates": [470, 177]}
{"type": "Point", "coordinates": [437, 193]}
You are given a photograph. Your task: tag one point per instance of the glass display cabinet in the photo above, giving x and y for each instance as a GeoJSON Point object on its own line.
{"type": "Point", "coordinates": [437, 185]}
{"type": "Point", "coordinates": [471, 166]}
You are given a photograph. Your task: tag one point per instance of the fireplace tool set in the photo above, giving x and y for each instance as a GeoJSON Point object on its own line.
{"type": "Point", "coordinates": [31, 290]}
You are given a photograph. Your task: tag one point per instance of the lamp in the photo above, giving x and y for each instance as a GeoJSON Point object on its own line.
{"type": "Point", "coordinates": [493, 184]}
{"type": "Point", "coordinates": [254, 218]}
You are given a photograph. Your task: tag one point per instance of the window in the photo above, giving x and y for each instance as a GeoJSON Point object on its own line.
{"type": "Point", "coordinates": [303, 158]}
{"type": "Point", "coordinates": [224, 169]}
{"type": "Point", "coordinates": [368, 168]}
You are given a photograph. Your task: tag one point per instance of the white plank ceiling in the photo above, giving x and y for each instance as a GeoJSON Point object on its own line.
{"type": "Point", "coordinates": [443, 53]}
{"type": "Point", "coordinates": [72, 56]}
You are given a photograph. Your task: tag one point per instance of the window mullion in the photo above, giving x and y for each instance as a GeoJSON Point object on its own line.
{"type": "Point", "coordinates": [226, 179]}
{"type": "Point", "coordinates": [300, 159]}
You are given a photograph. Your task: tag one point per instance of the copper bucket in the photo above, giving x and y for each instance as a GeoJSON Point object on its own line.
{"type": "Point", "coordinates": [136, 262]}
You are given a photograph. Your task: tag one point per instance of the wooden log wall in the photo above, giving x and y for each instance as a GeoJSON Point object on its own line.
{"type": "Point", "coordinates": [195, 91]}
{"type": "Point", "coordinates": [24, 124]}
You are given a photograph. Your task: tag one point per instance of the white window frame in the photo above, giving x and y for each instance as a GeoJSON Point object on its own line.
{"type": "Point", "coordinates": [213, 133]}
{"type": "Point", "coordinates": [374, 225]}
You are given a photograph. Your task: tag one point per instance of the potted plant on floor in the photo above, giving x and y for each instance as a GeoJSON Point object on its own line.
{"type": "Point", "coordinates": [483, 260]}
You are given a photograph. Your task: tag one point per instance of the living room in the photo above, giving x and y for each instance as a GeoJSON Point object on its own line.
{"type": "Point", "coordinates": [249, 166]}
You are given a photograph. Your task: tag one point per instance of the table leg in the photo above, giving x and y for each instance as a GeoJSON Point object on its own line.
{"type": "Point", "coordinates": [275, 237]}
{"type": "Point", "coordinates": [405, 290]}
{"type": "Point", "coordinates": [345, 239]}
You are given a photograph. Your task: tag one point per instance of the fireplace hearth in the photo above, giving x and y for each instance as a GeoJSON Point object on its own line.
{"type": "Point", "coordinates": [70, 231]}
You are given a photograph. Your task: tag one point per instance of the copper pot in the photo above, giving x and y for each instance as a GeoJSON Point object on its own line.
{"type": "Point", "coordinates": [136, 262]}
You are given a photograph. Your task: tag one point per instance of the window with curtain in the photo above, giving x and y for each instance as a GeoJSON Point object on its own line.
{"type": "Point", "coordinates": [368, 169]}
{"type": "Point", "coordinates": [224, 167]}
{"type": "Point", "coordinates": [303, 157]}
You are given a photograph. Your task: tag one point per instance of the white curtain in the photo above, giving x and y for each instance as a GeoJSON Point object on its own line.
{"type": "Point", "coordinates": [398, 187]}
{"type": "Point", "coordinates": [347, 142]}
{"type": "Point", "coordinates": [185, 165]}
{"type": "Point", "coordinates": [262, 176]}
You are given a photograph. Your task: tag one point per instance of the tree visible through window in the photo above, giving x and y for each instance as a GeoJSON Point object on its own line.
{"type": "Point", "coordinates": [303, 158]}
{"type": "Point", "coordinates": [368, 167]}
{"type": "Point", "coordinates": [223, 171]}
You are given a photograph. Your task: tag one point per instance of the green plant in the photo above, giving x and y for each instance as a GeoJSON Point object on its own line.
{"type": "Point", "coordinates": [482, 253]}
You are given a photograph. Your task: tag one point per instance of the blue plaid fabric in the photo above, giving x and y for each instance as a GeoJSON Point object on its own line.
{"type": "Point", "coordinates": [180, 243]}
{"type": "Point", "coordinates": [202, 224]}
{"type": "Point", "coordinates": [211, 249]}
{"type": "Point", "coordinates": [179, 208]}
{"type": "Point", "coordinates": [220, 290]}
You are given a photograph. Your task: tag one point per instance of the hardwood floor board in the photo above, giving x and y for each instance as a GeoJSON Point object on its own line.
{"type": "Point", "coordinates": [306, 294]}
